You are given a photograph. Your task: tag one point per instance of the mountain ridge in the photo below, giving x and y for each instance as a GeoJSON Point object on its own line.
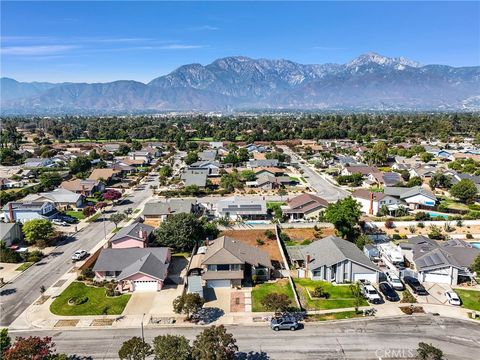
{"type": "Point", "coordinates": [370, 81]}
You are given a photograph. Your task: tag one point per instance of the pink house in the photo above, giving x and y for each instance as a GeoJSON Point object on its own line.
{"type": "Point", "coordinates": [135, 235]}
{"type": "Point", "coordinates": [135, 269]}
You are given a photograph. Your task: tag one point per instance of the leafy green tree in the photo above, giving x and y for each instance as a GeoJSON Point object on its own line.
{"type": "Point", "coordinates": [231, 181]}
{"type": "Point", "coordinates": [465, 190]}
{"type": "Point", "coordinates": [134, 349]}
{"type": "Point", "coordinates": [441, 181]}
{"type": "Point", "coordinates": [123, 150]}
{"type": "Point", "coordinates": [88, 211]}
{"type": "Point", "coordinates": [9, 157]}
{"type": "Point", "coordinates": [426, 157]}
{"type": "Point", "coordinates": [171, 347]}
{"type": "Point", "coordinates": [243, 155]}
{"type": "Point", "coordinates": [182, 231]}
{"type": "Point", "coordinates": [214, 343]}
{"type": "Point", "coordinates": [475, 267]}
{"type": "Point", "coordinates": [357, 295]}
{"type": "Point", "coordinates": [117, 218]}
{"type": "Point", "coordinates": [191, 157]}
{"type": "Point", "coordinates": [5, 341]}
{"type": "Point", "coordinates": [429, 352]}
{"type": "Point", "coordinates": [32, 347]}
{"type": "Point", "coordinates": [379, 154]}
{"type": "Point", "coordinates": [248, 175]}
{"type": "Point", "coordinates": [362, 240]}
{"type": "Point", "coordinates": [188, 304]}
{"type": "Point", "coordinates": [231, 158]}
{"type": "Point", "coordinates": [166, 171]}
{"type": "Point", "coordinates": [38, 230]}
{"type": "Point", "coordinates": [344, 215]}
{"type": "Point", "coordinates": [80, 164]}
{"type": "Point", "coordinates": [276, 302]}
{"type": "Point", "coordinates": [50, 179]}
{"type": "Point", "coordinates": [414, 181]}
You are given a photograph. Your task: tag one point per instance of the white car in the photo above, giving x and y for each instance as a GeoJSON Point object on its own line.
{"type": "Point", "coordinates": [79, 255]}
{"type": "Point", "coordinates": [453, 298]}
{"type": "Point", "coordinates": [59, 222]}
{"type": "Point", "coordinates": [371, 294]}
{"type": "Point", "coordinates": [395, 281]}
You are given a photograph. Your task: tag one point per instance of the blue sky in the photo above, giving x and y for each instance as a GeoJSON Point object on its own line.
{"type": "Point", "coordinates": [105, 41]}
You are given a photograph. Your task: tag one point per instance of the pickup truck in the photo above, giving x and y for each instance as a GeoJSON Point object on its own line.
{"type": "Point", "coordinates": [370, 293]}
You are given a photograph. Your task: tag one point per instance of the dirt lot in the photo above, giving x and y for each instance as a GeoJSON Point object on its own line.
{"type": "Point", "coordinates": [250, 237]}
{"type": "Point", "coordinates": [299, 235]}
{"type": "Point", "coordinates": [464, 229]}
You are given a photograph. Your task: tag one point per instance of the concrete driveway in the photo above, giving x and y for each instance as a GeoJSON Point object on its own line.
{"type": "Point", "coordinates": [218, 298]}
{"type": "Point", "coordinates": [153, 303]}
{"type": "Point", "coordinates": [436, 294]}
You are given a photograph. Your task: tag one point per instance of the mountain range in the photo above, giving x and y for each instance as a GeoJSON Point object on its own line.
{"type": "Point", "coordinates": [368, 82]}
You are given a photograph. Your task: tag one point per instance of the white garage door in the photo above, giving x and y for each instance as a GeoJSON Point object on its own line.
{"type": "Point", "coordinates": [144, 286]}
{"type": "Point", "coordinates": [369, 277]}
{"type": "Point", "coordinates": [437, 278]}
{"type": "Point", "coordinates": [218, 283]}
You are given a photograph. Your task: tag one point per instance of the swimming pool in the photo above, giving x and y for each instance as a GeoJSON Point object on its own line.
{"type": "Point", "coordinates": [437, 215]}
{"type": "Point", "coordinates": [476, 244]}
{"type": "Point", "coordinates": [256, 222]}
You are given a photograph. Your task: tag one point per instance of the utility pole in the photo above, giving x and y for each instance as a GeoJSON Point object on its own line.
{"type": "Point", "coordinates": [143, 338]}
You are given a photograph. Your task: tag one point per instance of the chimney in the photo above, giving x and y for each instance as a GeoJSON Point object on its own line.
{"type": "Point", "coordinates": [10, 210]}
{"type": "Point", "coordinates": [371, 204]}
{"type": "Point", "coordinates": [206, 242]}
{"type": "Point", "coordinates": [83, 189]}
{"type": "Point", "coordinates": [307, 264]}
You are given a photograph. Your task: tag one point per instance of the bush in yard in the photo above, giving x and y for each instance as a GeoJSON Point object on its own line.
{"type": "Point", "coordinates": [319, 292]}
{"type": "Point", "coordinates": [469, 236]}
{"type": "Point", "coordinates": [134, 349]}
{"type": "Point", "coordinates": [214, 343]}
{"type": "Point", "coordinates": [34, 256]}
{"type": "Point", "coordinates": [8, 255]}
{"type": "Point", "coordinates": [412, 228]}
{"type": "Point", "coordinates": [37, 230]}
{"type": "Point", "coordinates": [270, 234]}
{"type": "Point", "coordinates": [112, 195]}
{"type": "Point", "coordinates": [422, 216]}
{"type": "Point", "coordinates": [100, 205]}
{"type": "Point", "coordinates": [421, 225]}
{"type": "Point", "coordinates": [389, 224]}
{"type": "Point", "coordinates": [117, 218]}
{"type": "Point", "coordinates": [5, 341]}
{"type": "Point", "coordinates": [171, 347]}
{"type": "Point", "coordinates": [407, 297]}
{"type": "Point", "coordinates": [436, 233]}
{"type": "Point", "coordinates": [88, 273]}
{"type": "Point", "coordinates": [260, 242]}
{"type": "Point", "coordinates": [88, 211]}
{"type": "Point", "coordinates": [276, 302]}
{"type": "Point", "coordinates": [475, 267]}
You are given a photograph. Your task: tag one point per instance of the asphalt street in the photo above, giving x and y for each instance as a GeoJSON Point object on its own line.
{"type": "Point", "coordinates": [393, 338]}
{"type": "Point", "coordinates": [22, 292]}
{"type": "Point", "coordinates": [323, 187]}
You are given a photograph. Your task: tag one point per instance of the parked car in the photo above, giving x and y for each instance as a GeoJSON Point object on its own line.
{"type": "Point", "coordinates": [394, 281]}
{"type": "Point", "coordinates": [453, 298]}
{"type": "Point", "coordinates": [388, 291]}
{"type": "Point", "coordinates": [59, 222]}
{"type": "Point", "coordinates": [79, 255]}
{"type": "Point", "coordinates": [415, 285]}
{"type": "Point", "coordinates": [370, 293]}
{"type": "Point", "coordinates": [284, 323]}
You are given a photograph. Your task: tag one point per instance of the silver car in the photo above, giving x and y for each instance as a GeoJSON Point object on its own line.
{"type": "Point", "coordinates": [284, 323]}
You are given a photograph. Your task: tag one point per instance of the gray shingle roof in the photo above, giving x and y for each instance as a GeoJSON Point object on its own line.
{"type": "Point", "coordinates": [170, 206]}
{"type": "Point", "coordinates": [332, 250]}
{"type": "Point", "coordinates": [132, 231]}
{"type": "Point", "coordinates": [149, 261]}
{"type": "Point", "coordinates": [405, 192]}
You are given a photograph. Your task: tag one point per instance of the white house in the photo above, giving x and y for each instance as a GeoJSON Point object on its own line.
{"type": "Point", "coordinates": [372, 202]}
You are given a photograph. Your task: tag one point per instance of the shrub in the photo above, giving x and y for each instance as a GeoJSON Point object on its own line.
{"type": "Point", "coordinates": [407, 297]}
{"type": "Point", "coordinates": [81, 300]}
{"type": "Point", "coordinates": [412, 228]}
{"type": "Point", "coordinates": [389, 224]}
{"type": "Point", "coordinates": [319, 292]}
{"type": "Point", "coordinates": [469, 236]}
{"type": "Point", "coordinates": [306, 242]}
{"type": "Point", "coordinates": [34, 256]}
{"type": "Point", "coordinates": [396, 237]}
{"type": "Point", "coordinates": [260, 242]}
{"type": "Point", "coordinates": [422, 216]}
{"type": "Point", "coordinates": [421, 225]}
{"type": "Point", "coordinates": [459, 223]}
{"type": "Point", "coordinates": [88, 273]}
{"type": "Point", "coordinates": [8, 255]}
{"type": "Point", "coordinates": [269, 234]}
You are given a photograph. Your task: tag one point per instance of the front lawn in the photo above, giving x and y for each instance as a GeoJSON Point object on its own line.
{"type": "Point", "coordinates": [97, 304]}
{"type": "Point", "coordinates": [470, 298]}
{"type": "Point", "coordinates": [334, 316]}
{"type": "Point", "coordinates": [340, 296]}
{"type": "Point", "coordinates": [24, 266]}
{"type": "Point", "coordinates": [261, 290]}
{"type": "Point", "coordinates": [76, 214]}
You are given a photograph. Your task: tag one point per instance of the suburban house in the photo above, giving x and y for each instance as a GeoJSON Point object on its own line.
{"type": "Point", "coordinates": [268, 182]}
{"type": "Point", "coordinates": [107, 175]}
{"type": "Point", "coordinates": [136, 269]}
{"type": "Point", "coordinates": [195, 176]}
{"type": "Point", "coordinates": [384, 179]}
{"type": "Point", "coordinates": [10, 233]}
{"type": "Point", "coordinates": [158, 211]}
{"type": "Point", "coordinates": [33, 163]}
{"type": "Point", "coordinates": [144, 156]}
{"type": "Point", "coordinates": [445, 262]}
{"type": "Point", "coordinates": [213, 167]}
{"type": "Point", "coordinates": [457, 177]}
{"type": "Point", "coordinates": [364, 170]}
{"type": "Point", "coordinates": [334, 260]}
{"type": "Point", "coordinates": [23, 211]}
{"type": "Point", "coordinates": [84, 187]}
{"type": "Point", "coordinates": [253, 164]}
{"type": "Point", "coordinates": [62, 198]}
{"type": "Point", "coordinates": [269, 171]}
{"type": "Point", "coordinates": [255, 148]}
{"type": "Point", "coordinates": [136, 235]}
{"type": "Point", "coordinates": [227, 262]}
{"type": "Point", "coordinates": [305, 206]}
{"type": "Point", "coordinates": [416, 197]}
{"type": "Point", "coordinates": [241, 208]}
{"type": "Point", "coordinates": [371, 202]}
{"type": "Point", "coordinates": [207, 155]}
{"type": "Point", "coordinates": [424, 171]}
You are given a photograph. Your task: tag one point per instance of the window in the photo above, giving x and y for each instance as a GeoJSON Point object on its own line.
{"type": "Point", "coordinates": [110, 273]}
{"type": "Point", "coordinates": [223, 267]}
{"type": "Point", "coordinates": [317, 273]}
{"type": "Point", "coordinates": [235, 267]}
{"type": "Point", "coordinates": [212, 267]}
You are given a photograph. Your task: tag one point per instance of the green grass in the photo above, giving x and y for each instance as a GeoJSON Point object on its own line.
{"type": "Point", "coordinates": [92, 200]}
{"type": "Point", "coordinates": [454, 205]}
{"type": "Point", "coordinates": [335, 316]}
{"type": "Point", "coordinates": [114, 231]}
{"type": "Point", "coordinates": [303, 179]}
{"type": "Point", "coordinates": [97, 301]}
{"type": "Point", "coordinates": [185, 254]}
{"type": "Point", "coordinates": [271, 205]}
{"type": "Point", "coordinates": [470, 298]}
{"type": "Point", "coordinates": [76, 214]}
{"type": "Point", "coordinates": [94, 217]}
{"type": "Point", "coordinates": [136, 211]}
{"type": "Point", "coordinates": [340, 295]}
{"type": "Point", "coordinates": [293, 178]}
{"type": "Point", "coordinates": [261, 290]}
{"type": "Point", "coordinates": [24, 266]}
